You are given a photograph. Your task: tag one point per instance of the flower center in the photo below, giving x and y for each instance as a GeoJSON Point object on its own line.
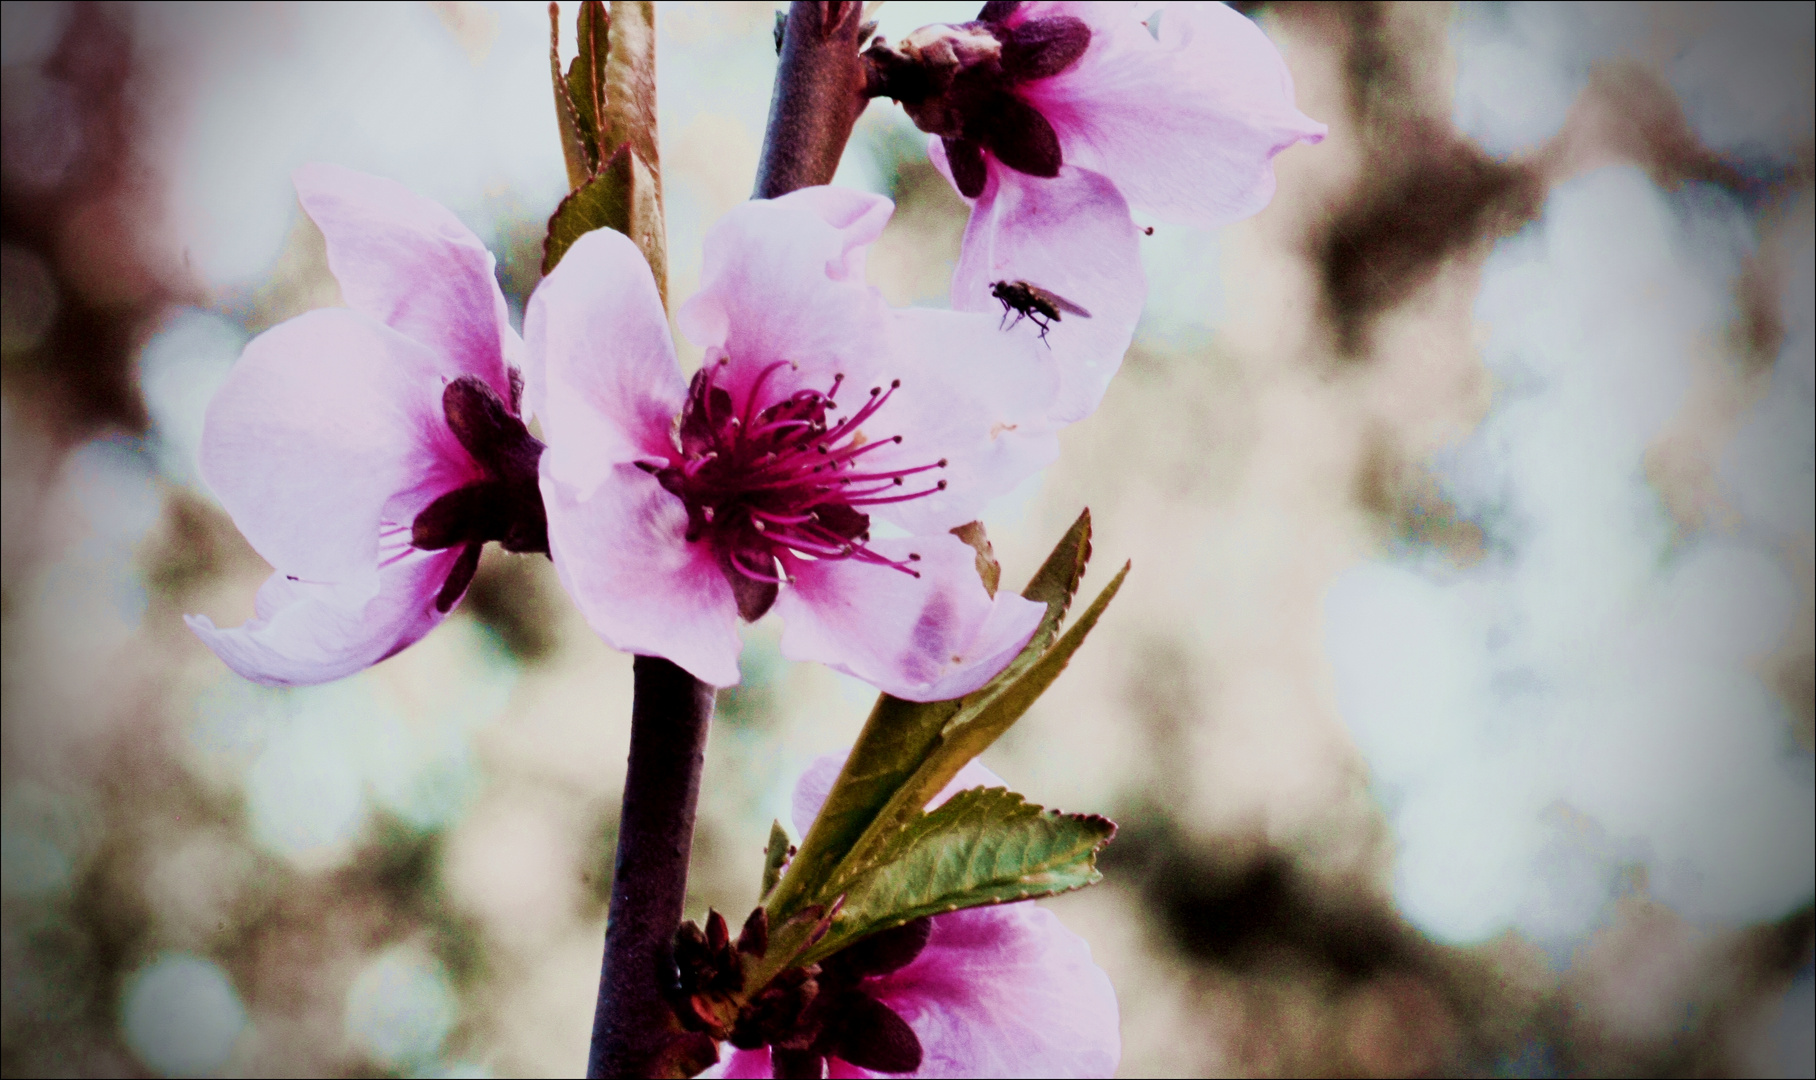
{"type": "Point", "coordinates": [789, 481]}
{"type": "Point", "coordinates": [505, 506]}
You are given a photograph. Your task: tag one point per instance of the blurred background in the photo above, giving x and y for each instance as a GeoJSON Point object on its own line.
{"type": "Point", "coordinates": [1457, 714]}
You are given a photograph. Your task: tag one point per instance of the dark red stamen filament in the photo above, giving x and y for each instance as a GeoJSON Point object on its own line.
{"type": "Point", "coordinates": [767, 486]}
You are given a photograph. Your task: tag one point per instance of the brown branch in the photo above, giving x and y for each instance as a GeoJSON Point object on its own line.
{"type": "Point", "coordinates": [635, 1032]}
{"type": "Point", "coordinates": [819, 94]}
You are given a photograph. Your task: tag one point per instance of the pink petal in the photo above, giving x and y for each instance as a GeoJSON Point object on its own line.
{"type": "Point", "coordinates": [620, 554]}
{"type": "Point", "coordinates": [408, 262]}
{"type": "Point", "coordinates": [1072, 236]}
{"type": "Point", "coordinates": [601, 372]}
{"type": "Point", "coordinates": [783, 281]}
{"type": "Point", "coordinates": [740, 1065]}
{"type": "Point", "coordinates": [926, 638]}
{"type": "Point", "coordinates": [304, 633]}
{"type": "Point", "coordinates": [1006, 991]}
{"type": "Point", "coordinates": [1187, 126]}
{"type": "Point", "coordinates": [816, 782]}
{"type": "Point", "coordinates": [329, 429]}
{"type": "Point", "coordinates": [971, 395]}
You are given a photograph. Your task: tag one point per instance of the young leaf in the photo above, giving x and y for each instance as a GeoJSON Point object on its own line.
{"type": "Point", "coordinates": [587, 81]}
{"type": "Point", "coordinates": [575, 150]}
{"type": "Point", "coordinates": [627, 117]}
{"type": "Point", "coordinates": [968, 734]}
{"type": "Point", "coordinates": [774, 857]}
{"type": "Point", "coordinates": [889, 749]}
{"type": "Point", "coordinates": [627, 111]}
{"type": "Point", "coordinates": [899, 734]}
{"type": "Point", "coordinates": [982, 846]}
{"type": "Point", "coordinates": [1054, 585]}
{"type": "Point", "coordinates": [610, 200]}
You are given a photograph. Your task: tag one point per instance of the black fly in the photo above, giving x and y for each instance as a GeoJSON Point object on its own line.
{"type": "Point", "coordinates": [1032, 302]}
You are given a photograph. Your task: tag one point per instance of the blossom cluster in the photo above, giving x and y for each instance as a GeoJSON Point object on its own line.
{"type": "Point", "coordinates": [819, 463]}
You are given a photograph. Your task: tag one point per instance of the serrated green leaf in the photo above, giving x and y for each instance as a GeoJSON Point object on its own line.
{"type": "Point", "coordinates": [774, 858]}
{"type": "Point", "coordinates": [969, 733]}
{"type": "Point", "coordinates": [898, 736]}
{"type": "Point", "coordinates": [576, 151]}
{"type": "Point", "coordinates": [605, 107]}
{"type": "Point", "coordinates": [889, 748]}
{"type": "Point", "coordinates": [615, 198]}
{"type": "Point", "coordinates": [1054, 585]}
{"type": "Point", "coordinates": [588, 80]}
{"type": "Point", "coordinates": [982, 846]}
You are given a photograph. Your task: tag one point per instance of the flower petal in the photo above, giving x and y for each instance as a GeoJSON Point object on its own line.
{"type": "Point", "coordinates": [329, 429]}
{"type": "Point", "coordinates": [1186, 126]}
{"type": "Point", "coordinates": [741, 1065]}
{"type": "Point", "coordinates": [970, 395]}
{"type": "Point", "coordinates": [303, 633]}
{"type": "Point", "coordinates": [1006, 991]}
{"type": "Point", "coordinates": [1071, 236]}
{"type": "Point", "coordinates": [784, 281]}
{"type": "Point", "coordinates": [620, 554]}
{"type": "Point", "coordinates": [601, 372]}
{"type": "Point", "coordinates": [410, 263]}
{"type": "Point", "coordinates": [926, 638]}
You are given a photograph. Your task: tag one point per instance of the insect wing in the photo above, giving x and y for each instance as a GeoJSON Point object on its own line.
{"type": "Point", "coordinates": [1059, 302]}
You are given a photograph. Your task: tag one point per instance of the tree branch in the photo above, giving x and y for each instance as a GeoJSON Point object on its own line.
{"type": "Point", "coordinates": [634, 1028]}
{"type": "Point", "coordinates": [819, 94]}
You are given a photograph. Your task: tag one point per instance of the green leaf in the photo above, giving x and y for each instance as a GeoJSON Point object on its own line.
{"type": "Point", "coordinates": [982, 846]}
{"type": "Point", "coordinates": [899, 735]}
{"type": "Point", "coordinates": [604, 106]}
{"type": "Point", "coordinates": [965, 736]}
{"type": "Point", "coordinates": [774, 858]}
{"type": "Point", "coordinates": [627, 117]}
{"type": "Point", "coordinates": [1054, 585]}
{"type": "Point", "coordinates": [627, 109]}
{"type": "Point", "coordinates": [612, 199]}
{"type": "Point", "coordinates": [587, 81]}
{"type": "Point", "coordinates": [889, 749]}
{"type": "Point", "coordinates": [576, 150]}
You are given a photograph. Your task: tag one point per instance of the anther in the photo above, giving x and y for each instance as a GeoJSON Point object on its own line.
{"type": "Point", "coordinates": [898, 439]}
{"type": "Point", "coordinates": [895, 384]}
{"type": "Point", "coordinates": [942, 485]}
{"type": "Point", "coordinates": [942, 463]}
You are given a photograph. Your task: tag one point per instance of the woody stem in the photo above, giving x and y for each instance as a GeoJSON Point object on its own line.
{"type": "Point", "coordinates": [818, 96]}
{"type": "Point", "coordinates": [632, 1022]}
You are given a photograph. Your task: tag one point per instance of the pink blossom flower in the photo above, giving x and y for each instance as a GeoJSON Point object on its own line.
{"type": "Point", "coordinates": [369, 452]}
{"type": "Point", "coordinates": [677, 507]}
{"type": "Point", "coordinates": [1054, 118]}
{"type": "Point", "coordinates": [991, 991]}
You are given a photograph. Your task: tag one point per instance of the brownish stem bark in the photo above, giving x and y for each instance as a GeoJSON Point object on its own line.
{"type": "Point", "coordinates": [633, 1023]}
{"type": "Point", "coordinates": [819, 95]}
